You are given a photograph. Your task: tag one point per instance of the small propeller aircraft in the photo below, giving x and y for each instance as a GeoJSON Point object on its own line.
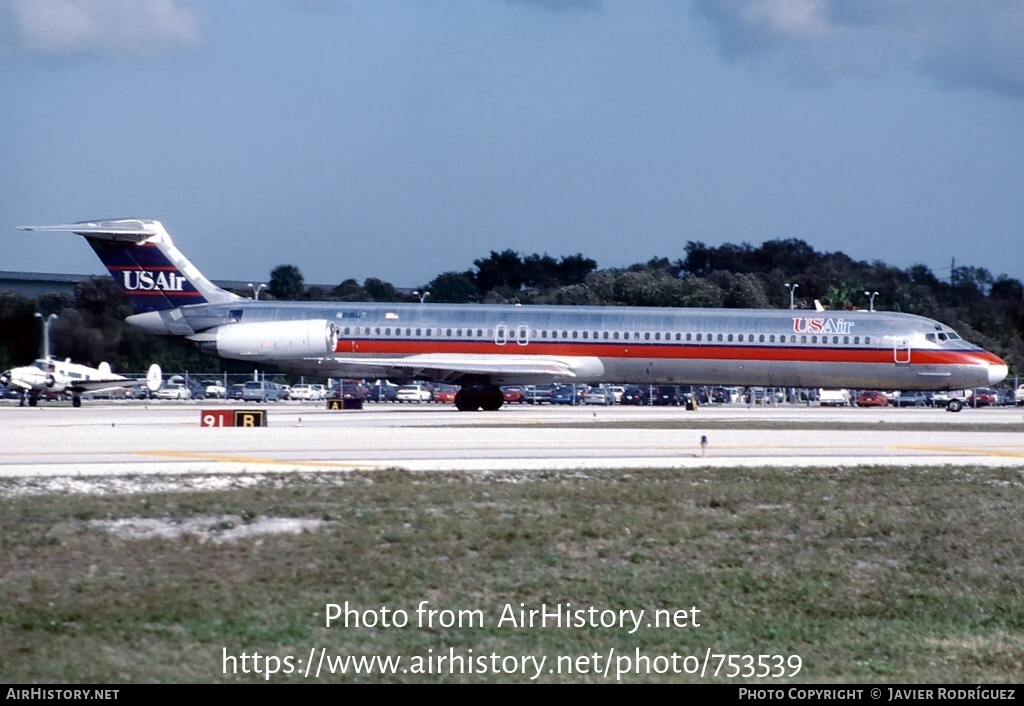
{"type": "Point", "coordinates": [49, 374]}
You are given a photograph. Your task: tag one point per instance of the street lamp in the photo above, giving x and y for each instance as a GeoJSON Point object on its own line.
{"type": "Point", "coordinates": [792, 291]}
{"type": "Point", "coordinates": [422, 295]}
{"type": "Point", "coordinates": [256, 290]}
{"type": "Point", "coordinates": [871, 300]}
{"type": "Point", "coordinates": [46, 332]}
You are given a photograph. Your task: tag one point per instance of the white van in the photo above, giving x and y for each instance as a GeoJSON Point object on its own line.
{"type": "Point", "coordinates": [834, 398]}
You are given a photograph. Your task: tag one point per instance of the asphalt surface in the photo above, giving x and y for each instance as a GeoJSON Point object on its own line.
{"type": "Point", "coordinates": [117, 439]}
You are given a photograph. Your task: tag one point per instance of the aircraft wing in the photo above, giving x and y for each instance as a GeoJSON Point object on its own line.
{"type": "Point", "coordinates": [443, 366]}
{"type": "Point", "coordinates": [80, 386]}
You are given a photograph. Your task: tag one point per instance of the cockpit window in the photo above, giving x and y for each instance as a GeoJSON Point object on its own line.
{"type": "Point", "coordinates": [953, 336]}
{"type": "Point", "coordinates": [943, 337]}
{"type": "Point", "coordinates": [929, 337]}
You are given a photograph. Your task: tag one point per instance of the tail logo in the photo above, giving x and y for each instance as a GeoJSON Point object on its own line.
{"type": "Point", "coordinates": [145, 281]}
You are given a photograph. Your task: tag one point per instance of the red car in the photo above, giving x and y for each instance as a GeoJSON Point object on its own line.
{"type": "Point", "coordinates": [513, 394]}
{"type": "Point", "coordinates": [871, 398]}
{"type": "Point", "coordinates": [445, 393]}
{"type": "Point", "coordinates": [984, 397]}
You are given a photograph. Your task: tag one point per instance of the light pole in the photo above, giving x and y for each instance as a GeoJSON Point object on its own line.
{"type": "Point", "coordinates": [792, 291]}
{"type": "Point", "coordinates": [256, 290]}
{"type": "Point", "coordinates": [46, 332]}
{"type": "Point", "coordinates": [422, 295]}
{"type": "Point", "coordinates": [871, 300]}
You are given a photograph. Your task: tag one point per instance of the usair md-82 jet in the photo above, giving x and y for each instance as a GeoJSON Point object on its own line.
{"type": "Point", "coordinates": [481, 347]}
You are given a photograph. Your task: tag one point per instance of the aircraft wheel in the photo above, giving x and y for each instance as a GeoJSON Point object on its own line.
{"type": "Point", "coordinates": [33, 401]}
{"type": "Point", "coordinates": [467, 400]}
{"type": "Point", "coordinates": [492, 399]}
{"type": "Point", "coordinates": [76, 401]}
{"type": "Point", "coordinates": [954, 406]}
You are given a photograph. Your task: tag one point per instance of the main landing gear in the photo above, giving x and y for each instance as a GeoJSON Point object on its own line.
{"type": "Point", "coordinates": [487, 398]}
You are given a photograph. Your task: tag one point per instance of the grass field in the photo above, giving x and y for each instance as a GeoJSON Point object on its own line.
{"type": "Point", "coordinates": [864, 574]}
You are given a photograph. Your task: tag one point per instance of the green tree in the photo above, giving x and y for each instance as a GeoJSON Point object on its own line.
{"type": "Point", "coordinates": [286, 282]}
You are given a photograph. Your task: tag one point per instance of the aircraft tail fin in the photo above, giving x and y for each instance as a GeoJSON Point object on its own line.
{"type": "Point", "coordinates": [144, 262]}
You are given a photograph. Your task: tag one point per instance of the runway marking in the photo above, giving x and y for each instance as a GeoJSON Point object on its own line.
{"type": "Point", "coordinates": [221, 458]}
{"type": "Point", "coordinates": [953, 450]}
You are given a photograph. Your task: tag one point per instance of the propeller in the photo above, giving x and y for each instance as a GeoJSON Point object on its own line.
{"type": "Point", "coordinates": [5, 378]}
{"type": "Point", "coordinates": [50, 381]}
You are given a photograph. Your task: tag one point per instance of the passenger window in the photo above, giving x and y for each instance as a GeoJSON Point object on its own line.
{"type": "Point", "coordinates": [647, 336]}
{"type": "Point", "coordinates": [803, 339]}
{"type": "Point", "coordinates": [730, 338]}
{"type": "Point", "coordinates": [689, 336]}
{"type": "Point", "coordinates": [867, 340]}
{"type": "Point", "coordinates": [846, 339]}
{"type": "Point", "coordinates": [585, 334]}
{"type": "Point", "coordinates": [698, 336]}
{"type": "Point", "coordinates": [814, 339]}
{"type": "Point", "coordinates": [657, 336]}
{"type": "Point", "coordinates": [856, 340]}
{"type": "Point", "coordinates": [345, 331]}
{"type": "Point", "coordinates": [719, 337]}
{"type": "Point", "coordinates": [575, 334]}
{"type": "Point", "coordinates": [761, 338]}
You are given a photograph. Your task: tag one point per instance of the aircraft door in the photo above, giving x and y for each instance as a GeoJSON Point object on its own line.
{"type": "Point", "coordinates": [901, 353]}
{"type": "Point", "coordinates": [523, 335]}
{"type": "Point", "coordinates": [501, 334]}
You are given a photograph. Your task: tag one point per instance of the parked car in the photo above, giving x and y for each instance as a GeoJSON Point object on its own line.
{"type": "Point", "coordinates": [235, 391]}
{"type": "Point", "coordinates": [261, 391]}
{"type": "Point", "coordinates": [634, 395]}
{"type": "Point", "coordinates": [668, 395]}
{"type": "Point", "coordinates": [382, 391]}
{"type": "Point", "coordinates": [538, 394]}
{"type": "Point", "coordinates": [566, 394]}
{"type": "Point", "coordinates": [617, 391]}
{"type": "Point", "coordinates": [1018, 395]}
{"type": "Point", "coordinates": [984, 397]}
{"type": "Point", "coordinates": [414, 393]}
{"type": "Point", "coordinates": [348, 390]}
{"type": "Point", "coordinates": [513, 394]}
{"type": "Point", "coordinates": [214, 389]}
{"type": "Point", "coordinates": [871, 398]}
{"type": "Point", "coordinates": [834, 398]}
{"type": "Point", "coordinates": [445, 394]}
{"type": "Point", "coordinates": [599, 394]}
{"type": "Point", "coordinates": [913, 398]}
{"type": "Point", "coordinates": [173, 391]}
{"type": "Point", "coordinates": [307, 393]}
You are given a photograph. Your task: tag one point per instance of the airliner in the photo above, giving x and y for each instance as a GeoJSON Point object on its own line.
{"type": "Point", "coordinates": [481, 347]}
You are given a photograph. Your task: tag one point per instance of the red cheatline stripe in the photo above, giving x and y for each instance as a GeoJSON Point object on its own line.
{"type": "Point", "coordinates": [805, 354]}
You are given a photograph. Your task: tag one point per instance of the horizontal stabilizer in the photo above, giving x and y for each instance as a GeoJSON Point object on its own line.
{"type": "Point", "coordinates": [131, 229]}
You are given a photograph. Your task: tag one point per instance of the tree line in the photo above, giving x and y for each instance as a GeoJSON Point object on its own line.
{"type": "Point", "coordinates": [986, 310]}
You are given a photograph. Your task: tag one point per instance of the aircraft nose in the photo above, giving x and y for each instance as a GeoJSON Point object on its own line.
{"type": "Point", "coordinates": [997, 373]}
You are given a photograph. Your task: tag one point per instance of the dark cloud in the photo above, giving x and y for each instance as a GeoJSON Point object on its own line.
{"type": "Point", "coordinates": [978, 44]}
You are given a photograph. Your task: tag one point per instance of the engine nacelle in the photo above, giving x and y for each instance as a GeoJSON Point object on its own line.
{"type": "Point", "coordinates": [271, 340]}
